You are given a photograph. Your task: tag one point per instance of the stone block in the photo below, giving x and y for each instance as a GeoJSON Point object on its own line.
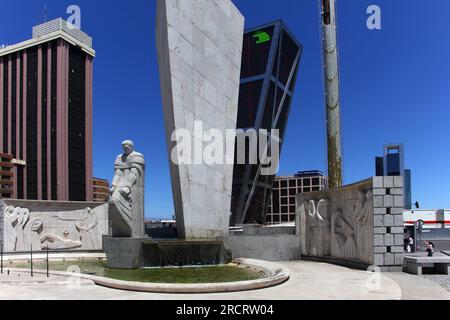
{"type": "Point", "coordinates": [398, 201]}
{"type": "Point", "coordinates": [388, 220]}
{"type": "Point", "coordinates": [398, 220]}
{"type": "Point", "coordinates": [397, 249]}
{"type": "Point", "coordinates": [379, 211]}
{"type": "Point", "coordinates": [398, 182]}
{"type": "Point", "coordinates": [389, 259]}
{"type": "Point", "coordinates": [397, 211]}
{"type": "Point", "coordinates": [397, 191]}
{"type": "Point", "coordinates": [378, 202]}
{"type": "Point", "coordinates": [379, 230]}
{"type": "Point", "coordinates": [399, 258]}
{"type": "Point", "coordinates": [379, 192]}
{"type": "Point", "coordinates": [378, 240]}
{"type": "Point", "coordinates": [388, 201]}
{"type": "Point", "coordinates": [378, 259]}
{"type": "Point", "coordinates": [378, 182]}
{"type": "Point", "coordinates": [388, 240]}
{"type": "Point", "coordinates": [378, 221]}
{"type": "Point", "coordinates": [399, 239]}
{"type": "Point", "coordinates": [379, 249]}
{"type": "Point", "coordinates": [397, 230]}
{"type": "Point", "coordinates": [388, 182]}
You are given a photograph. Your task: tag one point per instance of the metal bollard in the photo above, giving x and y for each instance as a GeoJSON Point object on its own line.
{"type": "Point", "coordinates": [48, 272]}
{"type": "Point", "coordinates": [31, 264]}
{"type": "Point", "coordinates": [1, 256]}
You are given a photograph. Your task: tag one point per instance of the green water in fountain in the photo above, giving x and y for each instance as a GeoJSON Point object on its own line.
{"type": "Point", "coordinates": [184, 275]}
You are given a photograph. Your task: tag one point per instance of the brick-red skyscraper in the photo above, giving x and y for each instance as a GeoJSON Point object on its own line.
{"type": "Point", "coordinates": [46, 113]}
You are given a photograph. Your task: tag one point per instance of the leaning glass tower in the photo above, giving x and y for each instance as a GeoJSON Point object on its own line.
{"type": "Point", "coordinates": [270, 60]}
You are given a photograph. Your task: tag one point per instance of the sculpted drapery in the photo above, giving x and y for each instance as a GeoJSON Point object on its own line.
{"type": "Point", "coordinates": [127, 193]}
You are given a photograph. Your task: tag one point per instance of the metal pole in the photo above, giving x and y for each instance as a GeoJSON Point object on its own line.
{"type": "Point", "coordinates": [1, 256]}
{"type": "Point", "coordinates": [31, 263]}
{"type": "Point", "coordinates": [48, 273]}
{"type": "Point", "coordinates": [333, 109]}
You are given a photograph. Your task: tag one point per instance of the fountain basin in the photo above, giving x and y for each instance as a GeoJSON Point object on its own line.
{"type": "Point", "coordinates": [134, 253]}
{"type": "Point", "coordinates": [276, 275]}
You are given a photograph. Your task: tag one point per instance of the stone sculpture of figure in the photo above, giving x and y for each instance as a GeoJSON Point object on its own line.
{"type": "Point", "coordinates": [127, 194]}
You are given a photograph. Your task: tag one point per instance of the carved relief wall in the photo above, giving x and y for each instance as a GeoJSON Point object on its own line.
{"type": "Point", "coordinates": [56, 225]}
{"type": "Point", "coordinates": [338, 223]}
{"type": "Point", "coordinates": [362, 222]}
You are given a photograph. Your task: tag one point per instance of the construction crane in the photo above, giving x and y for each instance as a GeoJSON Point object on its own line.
{"type": "Point", "coordinates": [333, 109]}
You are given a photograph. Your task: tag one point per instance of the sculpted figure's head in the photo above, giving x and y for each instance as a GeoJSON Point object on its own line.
{"type": "Point", "coordinates": [128, 147]}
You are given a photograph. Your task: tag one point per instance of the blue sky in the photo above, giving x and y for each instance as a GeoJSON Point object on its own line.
{"type": "Point", "coordinates": [395, 86]}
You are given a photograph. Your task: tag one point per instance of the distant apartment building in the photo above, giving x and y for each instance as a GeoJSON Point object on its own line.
{"type": "Point", "coordinates": [282, 204]}
{"type": "Point", "coordinates": [46, 113]}
{"type": "Point", "coordinates": [100, 190]}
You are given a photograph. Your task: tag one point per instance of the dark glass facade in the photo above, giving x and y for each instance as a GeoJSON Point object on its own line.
{"type": "Point", "coordinates": [270, 61]}
{"type": "Point", "coordinates": [77, 124]}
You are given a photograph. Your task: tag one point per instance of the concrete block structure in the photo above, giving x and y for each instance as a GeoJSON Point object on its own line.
{"type": "Point", "coordinates": [199, 53]}
{"type": "Point", "coordinates": [388, 210]}
{"type": "Point", "coordinates": [359, 223]}
{"type": "Point", "coordinates": [270, 243]}
{"type": "Point", "coordinates": [46, 113]}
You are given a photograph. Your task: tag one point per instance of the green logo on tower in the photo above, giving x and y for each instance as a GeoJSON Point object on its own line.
{"type": "Point", "coordinates": [262, 37]}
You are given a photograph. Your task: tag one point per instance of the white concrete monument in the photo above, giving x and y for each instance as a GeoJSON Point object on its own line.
{"type": "Point", "coordinates": [199, 52]}
{"type": "Point", "coordinates": [127, 194]}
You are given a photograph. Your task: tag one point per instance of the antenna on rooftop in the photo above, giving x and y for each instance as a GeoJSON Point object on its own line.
{"type": "Point", "coordinates": [44, 14]}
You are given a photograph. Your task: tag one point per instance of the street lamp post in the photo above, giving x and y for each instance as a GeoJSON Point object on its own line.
{"type": "Point", "coordinates": [419, 226]}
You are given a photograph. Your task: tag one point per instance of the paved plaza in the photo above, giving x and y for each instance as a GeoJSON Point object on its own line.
{"type": "Point", "coordinates": [309, 281]}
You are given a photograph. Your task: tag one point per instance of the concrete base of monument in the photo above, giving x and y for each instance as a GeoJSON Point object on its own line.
{"type": "Point", "coordinates": [134, 253]}
{"type": "Point", "coordinates": [276, 274]}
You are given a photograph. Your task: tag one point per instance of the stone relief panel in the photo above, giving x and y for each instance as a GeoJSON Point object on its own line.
{"type": "Point", "coordinates": [338, 223]}
{"type": "Point", "coordinates": [80, 229]}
